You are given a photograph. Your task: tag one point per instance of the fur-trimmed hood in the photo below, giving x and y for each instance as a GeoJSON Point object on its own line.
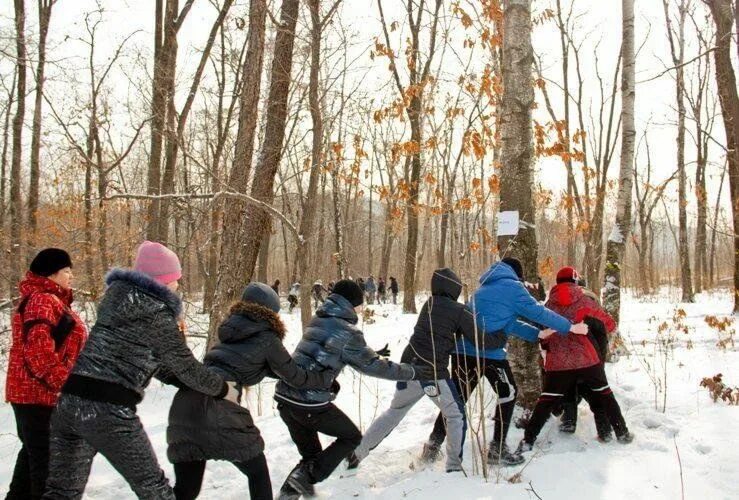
{"type": "Point", "coordinates": [148, 285]}
{"type": "Point", "coordinates": [247, 319]}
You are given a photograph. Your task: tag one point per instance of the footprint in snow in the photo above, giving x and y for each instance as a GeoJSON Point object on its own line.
{"type": "Point", "coordinates": [703, 449]}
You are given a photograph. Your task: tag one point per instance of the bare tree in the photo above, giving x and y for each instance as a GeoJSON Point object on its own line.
{"type": "Point", "coordinates": [517, 182]}
{"type": "Point", "coordinates": [44, 15]}
{"type": "Point", "coordinates": [16, 204]}
{"type": "Point", "coordinates": [4, 157]}
{"type": "Point", "coordinates": [622, 225]}
{"type": "Point", "coordinates": [677, 51]}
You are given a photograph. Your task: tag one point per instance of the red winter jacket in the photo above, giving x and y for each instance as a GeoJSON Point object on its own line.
{"type": "Point", "coordinates": [38, 364]}
{"type": "Point", "coordinates": [571, 352]}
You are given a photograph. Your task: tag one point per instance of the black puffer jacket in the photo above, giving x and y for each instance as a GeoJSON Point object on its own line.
{"type": "Point", "coordinates": [204, 428]}
{"type": "Point", "coordinates": [136, 334]}
{"type": "Point", "coordinates": [441, 321]}
{"type": "Point", "coordinates": [332, 341]}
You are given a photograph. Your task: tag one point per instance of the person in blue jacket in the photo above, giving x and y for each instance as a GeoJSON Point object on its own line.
{"type": "Point", "coordinates": [501, 305]}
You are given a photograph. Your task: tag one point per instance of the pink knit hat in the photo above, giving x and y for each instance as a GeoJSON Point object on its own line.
{"type": "Point", "coordinates": [158, 261]}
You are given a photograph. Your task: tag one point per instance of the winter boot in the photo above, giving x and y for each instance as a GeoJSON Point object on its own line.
{"type": "Point", "coordinates": [431, 452]}
{"type": "Point", "coordinates": [287, 492]}
{"type": "Point", "coordinates": [568, 423]}
{"type": "Point", "coordinates": [523, 447]}
{"type": "Point", "coordinates": [603, 426]}
{"type": "Point", "coordinates": [625, 438]}
{"type": "Point", "coordinates": [352, 462]}
{"type": "Point", "coordinates": [300, 479]}
{"type": "Point", "coordinates": [501, 455]}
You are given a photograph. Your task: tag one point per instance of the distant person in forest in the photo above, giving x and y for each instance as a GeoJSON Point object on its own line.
{"type": "Point", "coordinates": [47, 337]}
{"type": "Point", "coordinates": [574, 359]}
{"type": "Point", "coordinates": [276, 287]}
{"type": "Point", "coordinates": [293, 296]}
{"type": "Point", "coordinates": [203, 428]}
{"type": "Point", "coordinates": [330, 342]}
{"type": "Point", "coordinates": [319, 292]}
{"type": "Point", "coordinates": [441, 321]}
{"type": "Point", "coordinates": [502, 305]}
{"type": "Point", "coordinates": [394, 289]}
{"type": "Point", "coordinates": [381, 291]}
{"type": "Point", "coordinates": [136, 336]}
{"type": "Point", "coordinates": [330, 287]}
{"type": "Point", "coordinates": [370, 289]}
{"type": "Point", "coordinates": [361, 284]}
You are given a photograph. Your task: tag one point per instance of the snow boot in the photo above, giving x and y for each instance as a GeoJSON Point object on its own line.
{"type": "Point", "coordinates": [501, 455]}
{"type": "Point", "coordinates": [603, 426]}
{"type": "Point", "coordinates": [287, 492]}
{"type": "Point", "coordinates": [352, 462]}
{"type": "Point", "coordinates": [568, 424]}
{"type": "Point", "coordinates": [301, 481]}
{"type": "Point", "coordinates": [523, 447]}
{"type": "Point", "coordinates": [625, 438]}
{"type": "Point", "coordinates": [431, 452]}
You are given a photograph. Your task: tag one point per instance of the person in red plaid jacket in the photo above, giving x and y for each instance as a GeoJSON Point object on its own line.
{"type": "Point", "coordinates": [47, 338]}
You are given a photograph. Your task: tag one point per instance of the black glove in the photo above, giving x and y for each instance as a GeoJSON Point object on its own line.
{"type": "Point", "coordinates": [384, 352]}
{"type": "Point", "coordinates": [424, 372]}
{"type": "Point", "coordinates": [335, 387]}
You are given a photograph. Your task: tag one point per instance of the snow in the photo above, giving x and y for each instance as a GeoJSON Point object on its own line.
{"type": "Point", "coordinates": [562, 467]}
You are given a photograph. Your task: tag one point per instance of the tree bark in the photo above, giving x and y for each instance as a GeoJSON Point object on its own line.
{"type": "Point", "coordinates": [230, 274]}
{"type": "Point", "coordinates": [517, 183]}
{"type": "Point", "coordinates": [44, 14]}
{"type": "Point", "coordinates": [16, 204]}
{"type": "Point", "coordinates": [727, 91]}
{"type": "Point", "coordinates": [256, 220]}
{"type": "Point", "coordinates": [4, 159]}
{"type": "Point", "coordinates": [619, 235]}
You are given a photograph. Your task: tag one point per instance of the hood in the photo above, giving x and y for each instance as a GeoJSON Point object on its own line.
{"type": "Point", "coordinates": [33, 283]}
{"type": "Point", "coordinates": [247, 319]}
{"type": "Point", "coordinates": [337, 306]}
{"type": "Point", "coordinates": [564, 294]}
{"type": "Point", "coordinates": [498, 271]}
{"type": "Point", "coordinates": [446, 283]}
{"type": "Point", "coordinates": [148, 285]}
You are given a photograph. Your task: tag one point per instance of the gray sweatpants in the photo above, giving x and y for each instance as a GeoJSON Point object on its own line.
{"type": "Point", "coordinates": [80, 429]}
{"type": "Point", "coordinates": [444, 395]}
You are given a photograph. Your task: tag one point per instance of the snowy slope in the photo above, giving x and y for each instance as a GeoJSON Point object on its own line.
{"type": "Point", "coordinates": [564, 466]}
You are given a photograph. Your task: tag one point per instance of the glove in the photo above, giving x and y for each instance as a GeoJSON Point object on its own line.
{"type": "Point", "coordinates": [234, 393]}
{"type": "Point", "coordinates": [335, 387]}
{"type": "Point", "coordinates": [384, 352]}
{"type": "Point", "coordinates": [424, 372]}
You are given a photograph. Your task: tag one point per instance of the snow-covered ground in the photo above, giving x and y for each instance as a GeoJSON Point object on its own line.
{"type": "Point", "coordinates": [690, 450]}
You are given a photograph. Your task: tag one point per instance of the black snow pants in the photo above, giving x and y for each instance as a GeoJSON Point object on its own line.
{"type": "Point", "coordinates": [189, 478]}
{"type": "Point", "coordinates": [304, 426]}
{"type": "Point", "coordinates": [466, 376]}
{"type": "Point", "coordinates": [32, 464]}
{"type": "Point", "coordinates": [80, 429]}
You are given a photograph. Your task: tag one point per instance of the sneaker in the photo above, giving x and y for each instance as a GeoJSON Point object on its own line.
{"type": "Point", "coordinates": [431, 452]}
{"type": "Point", "coordinates": [625, 438]}
{"type": "Point", "coordinates": [523, 447]}
{"type": "Point", "coordinates": [605, 438]}
{"type": "Point", "coordinates": [352, 462]}
{"type": "Point", "coordinates": [301, 481]}
{"type": "Point", "coordinates": [503, 456]}
{"type": "Point", "coordinates": [568, 427]}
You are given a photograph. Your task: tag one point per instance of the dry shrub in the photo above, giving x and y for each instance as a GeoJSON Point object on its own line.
{"type": "Point", "coordinates": [719, 390]}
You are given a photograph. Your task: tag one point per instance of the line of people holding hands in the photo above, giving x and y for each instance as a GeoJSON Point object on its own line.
{"type": "Point", "coordinates": [75, 395]}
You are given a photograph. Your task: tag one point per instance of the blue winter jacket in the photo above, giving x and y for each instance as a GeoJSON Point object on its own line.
{"type": "Point", "coordinates": [500, 303]}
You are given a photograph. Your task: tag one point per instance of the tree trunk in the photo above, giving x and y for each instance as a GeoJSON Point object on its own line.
{"type": "Point", "coordinates": [44, 15]}
{"type": "Point", "coordinates": [517, 183]}
{"type": "Point", "coordinates": [727, 91]}
{"type": "Point", "coordinates": [338, 229]}
{"type": "Point", "coordinates": [619, 235]}
{"type": "Point", "coordinates": [159, 114]}
{"type": "Point", "coordinates": [306, 275]}
{"type": "Point", "coordinates": [256, 220]}
{"type": "Point", "coordinates": [230, 274]}
{"type": "Point", "coordinates": [4, 159]}
{"type": "Point", "coordinates": [16, 204]}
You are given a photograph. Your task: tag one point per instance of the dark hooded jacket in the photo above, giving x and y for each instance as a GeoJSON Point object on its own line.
{"type": "Point", "coordinates": [135, 336]}
{"type": "Point", "coordinates": [330, 342]}
{"type": "Point", "coordinates": [250, 349]}
{"type": "Point", "coordinates": [441, 323]}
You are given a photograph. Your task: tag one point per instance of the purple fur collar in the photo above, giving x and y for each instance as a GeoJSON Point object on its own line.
{"type": "Point", "coordinates": [148, 285]}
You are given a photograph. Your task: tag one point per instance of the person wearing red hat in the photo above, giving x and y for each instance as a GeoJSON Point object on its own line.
{"type": "Point", "coordinates": [47, 338]}
{"type": "Point", "coordinates": [573, 358]}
